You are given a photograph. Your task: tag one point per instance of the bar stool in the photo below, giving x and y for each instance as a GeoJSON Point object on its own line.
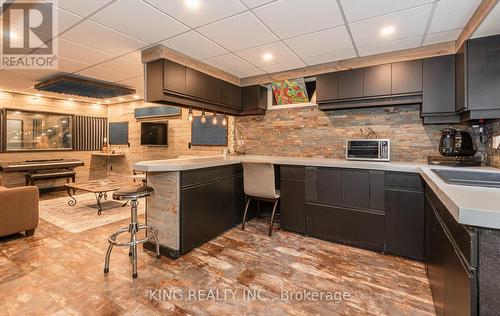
{"type": "Point", "coordinates": [132, 194]}
{"type": "Point", "coordinates": [258, 182]}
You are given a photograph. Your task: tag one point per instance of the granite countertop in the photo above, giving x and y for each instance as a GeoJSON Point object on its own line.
{"type": "Point", "coordinates": [476, 206]}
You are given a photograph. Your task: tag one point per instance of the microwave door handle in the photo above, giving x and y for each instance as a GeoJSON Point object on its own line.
{"type": "Point", "coordinates": [379, 150]}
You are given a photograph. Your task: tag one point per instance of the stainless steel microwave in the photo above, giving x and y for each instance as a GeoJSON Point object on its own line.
{"type": "Point", "coordinates": [368, 149]}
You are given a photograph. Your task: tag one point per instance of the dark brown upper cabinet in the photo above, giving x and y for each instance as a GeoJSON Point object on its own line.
{"type": "Point", "coordinates": [327, 87]}
{"type": "Point", "coordinates": [438, 99]}
{"type": "Point", "coordinates": [477, 79]}
{"type": "Point", "coordinates": [407, 77]}
{"type": "Point", "coordinates": [174, 77]}
{"type": "Point", "coordinates": [351, 84]}
{"type": "Point", "coordinates": [175, 84]}
{"type": "Point", "coordinates": [377, 80]}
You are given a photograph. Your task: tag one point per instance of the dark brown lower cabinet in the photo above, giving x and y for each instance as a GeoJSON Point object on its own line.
{"type": "Point", "coordinates": [452, 280]}
{"type": "Point", "coordinates": [404, 223]}
{"type": "Point", "coordinates": [323, 222]}
{"type": "Point", "coordinates": [292, 203]}
{"type": "Point", "coordinates": [363, 229]}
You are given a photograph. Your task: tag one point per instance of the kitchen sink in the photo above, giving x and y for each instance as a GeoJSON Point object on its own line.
{"type": "Point", "coordinates": [470, 178]}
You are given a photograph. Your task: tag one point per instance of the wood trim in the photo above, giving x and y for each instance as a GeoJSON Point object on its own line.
{"type": "Point", "coordinates": [477, 18]}
{"type": "Point", "coordinates": [359, 62]}
{"type": "Point", "coordinates": [159, 51]}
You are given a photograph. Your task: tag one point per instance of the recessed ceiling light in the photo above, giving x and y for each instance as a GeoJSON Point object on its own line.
{"type": "Point", "coordinates": [388, 30]}
{"type": "Point", "coordinates": [267, 56]}
{"type": "Point", "coordinates": [71, 99]}
{"type": "Point", "coordinates": [136, 96]}
{"type": "Point", "coordinates": [120, 99]}
{"type": "Point", "coordinates": [107, 101]}
{"type": "Point", "coordinates": [38, 95]}
{"type": "Point", "coordinates": [98, 102]}
{"type": "Point", "coordinates": [193, 3]}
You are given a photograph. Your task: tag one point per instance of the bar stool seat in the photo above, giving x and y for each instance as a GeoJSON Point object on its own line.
{"type": "Point", "coordinates": [132, 194]}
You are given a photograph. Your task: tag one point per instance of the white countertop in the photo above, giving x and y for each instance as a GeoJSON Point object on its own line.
{"type": "Point", "coordinates": [476, 206]}
{"type": "Point", "coordinates": [181, 164]}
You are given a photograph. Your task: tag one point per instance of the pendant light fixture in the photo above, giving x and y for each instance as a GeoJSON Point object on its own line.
{"type": "Point", "coordinates": [190, 114]}
{"type": "Point", "coordinates": [224, 120]}
{"type": "Point", "coordinates": [214, 118]}
{"type": "Point", "coordinates": [203, 119]}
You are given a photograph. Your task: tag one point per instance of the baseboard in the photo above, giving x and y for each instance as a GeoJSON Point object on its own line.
{"type": "Point", "coordinates": [164, 251]}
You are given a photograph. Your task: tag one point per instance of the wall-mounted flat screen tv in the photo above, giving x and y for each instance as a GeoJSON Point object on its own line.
{"type": "Point", "coordinates": [154, 134]}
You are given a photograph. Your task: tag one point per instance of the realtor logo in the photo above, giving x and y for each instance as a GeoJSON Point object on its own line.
{"type": "Point", "coordinates": [28, 35]}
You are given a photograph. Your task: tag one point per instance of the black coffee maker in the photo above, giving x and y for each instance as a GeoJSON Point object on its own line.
{"type": "Point", "coordinates": [456, 143]}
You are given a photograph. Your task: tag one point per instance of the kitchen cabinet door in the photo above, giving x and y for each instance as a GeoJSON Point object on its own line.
{"type": "Point", "coordinates": [210, 88]}
{"type": "Point", "coordinates": [292, 205]}
{"type": "Point", "coordinates": [194, 83]}
{"type": "Point", "coordinates": [323, 222]}
{"type": "Point", "coordinates": [439, 85]}
{"type": "Point", "coordinates": [236, 96]}
{"type": "Point", "coordinates": [327, 87]}
{"type": "Point", "coordinates": [351, 84]}
{"type": "Point", "coordinates": [174, 77]}
{"type": "Point", "coordinates": [436, 260]}
{"type": "Point", "coordinates": [377, 80]}
{"type": "Point", "coordinates": [356, 188]}
{"type": "Point", "coordinates": [404, 223]}
{"type": "Point", "coordinates": [461, 78]}
{"type": "Point", "coordinates": [407, 77]}
{"type": "Point", "coordinates": [328, 186]}
{"type": "Point", "coordinates": [362, 229]}
{"type": "Point", "coordinates": [483, 67]}
{"type": "Point", "coordinates": [225, 92]}
{"type": "Point", "coordinates": [377, 190]}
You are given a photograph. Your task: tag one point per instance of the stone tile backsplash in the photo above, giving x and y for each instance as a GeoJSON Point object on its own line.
{"type": "Point", "coordinates": [310, 132]}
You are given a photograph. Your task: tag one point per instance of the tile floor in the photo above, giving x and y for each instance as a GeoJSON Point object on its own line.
{"type": "Point", "coordinates": [57, 272]}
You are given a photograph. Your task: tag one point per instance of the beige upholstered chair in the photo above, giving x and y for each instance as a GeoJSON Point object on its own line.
{"type": "Point", "coordinates": [18, 210]}
{"type": "Point", "coordinates": [258, 181]}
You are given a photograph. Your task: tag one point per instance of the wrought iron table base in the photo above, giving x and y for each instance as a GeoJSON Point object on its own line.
{"type": "Point", "coordinates": [98, 197]}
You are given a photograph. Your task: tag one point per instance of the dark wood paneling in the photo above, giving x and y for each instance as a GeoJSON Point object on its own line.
{"type": "Point", "coordinates": [377, 80]}
{"type": "Point", "coordinates": [407, 77]}
{"type": "Point", "coordinates": [404, 223]}
{"type": "Point", "coordinates": [364, 230]}
{"type": "Point", "coordinates": [356, 188]}
{"type": "Point", "coordinates": [293, 172]}
{"type": "Point", "coordinates": [329, 186]}
{"type": "Point", "coordinates": [377, 190]}
{"type": "Point", "coordinates": [323, 222]}
{"type": "Point", "coordinates": [174, 77]}
{"type": "Point", "coordinates": [327, 87]}
{"type": "Point", "coordinates": [194, 83]}
{"type": "Point", "coordinates": [404, 180]}
{"type": "Point", "coordinates": [351, 83]}
{"type": "Point", "coordinates": [292, 209]}
{"type": "Point", "coordinates": [439, 85]}
{"type": "Point", "coordinates": [483, 67]}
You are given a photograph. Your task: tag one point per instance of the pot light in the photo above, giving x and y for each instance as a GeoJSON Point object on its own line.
{"type": "Point", "coordinates": [38, 95]}
{"type": "Point", "coordinates": [267, 56]}
{"type": "Point", "coordinates": [71, 99]}
{"type": "Point", "coordinates": [107, 101]}
{"type": "Point", "coordinates": [136, 96]}
{"type": "Point", "coordinates": [120, 99]}
{"type": "Point", "coordinates": [193, 3]}
{"type": "Point", "coordinates": [388, 30]}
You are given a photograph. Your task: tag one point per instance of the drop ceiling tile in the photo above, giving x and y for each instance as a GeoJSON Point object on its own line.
{"type": "Point", "coordinates": [142, 21]}
{"type": "Point", "coordinates": [70, 65]}
{"type": "Point", "coordinates": [294, 64]}
{"type": "Point", "coordinates": [442, 37]}
{"type": "Point", "coordinates": [135, 56]}
{"type": "Point", "coordinates": [356, 10]}
{"type": "Point", "coordinates": [256, 3]}
{"type": "Point", "coordinates": [289, 18]}
{"type": "Point", "coordinates": [333, 56]}
{"type": "Point", "coordinates": [136, 83]}
{"type": "Point", "coordinates": [195, 45]}
{"type": "Point", "coordinates": [234, 65]}
{"type": "Point", "coordinates": [88, 55]}
{"type": "Point", "coordinates": [321, 43]}
{"type": "Point", "coordinates": [206, 12]}
{"type": "Point", "coordinates": [452, 14]}
{"type": "Point", "coordinates": [278, 50]}
{"type": "Point", "coordinates": [407, 24]}
{"type": "Point", "coordinates": [238, 32]}
{"type": "Point", "coordinates": [82, 8]}
{"type": "Point", "coordinates": [389, 47]}
{"type": "Point", "coordinates": [104, 74]}
{"type": "Point", "coordinates": [490, 25]}
{"type": "Point", "coordinates": [100, 37]}
{"type": "Point", "coordinates": [124, 66]}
